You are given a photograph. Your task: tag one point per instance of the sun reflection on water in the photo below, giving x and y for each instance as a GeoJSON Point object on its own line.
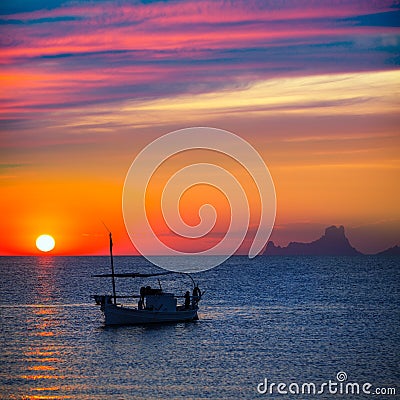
{"type": "Point", "coordinates": [43, 357]}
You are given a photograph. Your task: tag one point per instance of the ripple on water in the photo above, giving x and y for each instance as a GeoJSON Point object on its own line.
{"type": "Point", "coordinates": [287, 319]}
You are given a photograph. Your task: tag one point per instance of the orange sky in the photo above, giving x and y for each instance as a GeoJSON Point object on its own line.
{"type": "Point", "coordinates": [321, 177]}
{"type": "Point", "coordinates": [77, 109]}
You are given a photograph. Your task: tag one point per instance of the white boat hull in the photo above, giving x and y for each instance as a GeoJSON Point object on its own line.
{"type": "Point", "coordinates": [119, 315]}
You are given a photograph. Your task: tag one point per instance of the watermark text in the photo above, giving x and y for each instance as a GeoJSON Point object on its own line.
{"type": "Point", "coordinates": [338, 386]}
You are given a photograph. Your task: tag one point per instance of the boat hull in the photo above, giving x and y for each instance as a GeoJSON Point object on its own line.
{"type": "Point", "coordinates": [118, 315]}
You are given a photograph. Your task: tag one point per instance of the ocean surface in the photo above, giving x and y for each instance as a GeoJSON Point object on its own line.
{"type": "Point", "coordinates": [288, 320]}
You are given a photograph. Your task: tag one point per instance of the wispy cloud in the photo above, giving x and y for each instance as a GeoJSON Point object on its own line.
{"type": "Point", "coordinates": [70, 54]}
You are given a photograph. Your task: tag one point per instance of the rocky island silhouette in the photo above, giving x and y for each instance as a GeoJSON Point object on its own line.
{"type": "Point", "coordinates": [333, 243]}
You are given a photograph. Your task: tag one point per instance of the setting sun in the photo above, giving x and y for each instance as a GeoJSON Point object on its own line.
{"type": "Point", "coordinates": [45, 243]}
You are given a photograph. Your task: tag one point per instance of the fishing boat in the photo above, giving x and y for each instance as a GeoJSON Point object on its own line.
{"type": "Point", "coordinates": [153, 304]}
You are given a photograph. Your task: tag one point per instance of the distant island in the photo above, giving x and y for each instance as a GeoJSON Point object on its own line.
{"type": "Point", "coordinates": [333, 243]}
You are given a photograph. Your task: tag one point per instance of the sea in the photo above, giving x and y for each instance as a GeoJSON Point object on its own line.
{"type": "Point", "coordinates": [269, 327]}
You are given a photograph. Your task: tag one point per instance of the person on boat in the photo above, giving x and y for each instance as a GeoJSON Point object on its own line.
{"type": "Point", "coordinates": [196, 296]}
{"type": "Point", "coordinates": [142, 293]}
{"type": "Point", "coordinates": [187, 300]}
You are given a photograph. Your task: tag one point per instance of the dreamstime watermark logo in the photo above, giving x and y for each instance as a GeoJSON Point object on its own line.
{"type": "Point", "coordinates": [150, 160]}
{"type": "Point", "coordinates": [339, 386]}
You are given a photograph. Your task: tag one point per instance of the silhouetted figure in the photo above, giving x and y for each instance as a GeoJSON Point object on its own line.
{"type": "Point", "coordinates": [196, 296]}
{"type": "Point", "coordinates": [140, 304]}
{"type": "Point", "coordinates": [187, 300]}
{"type": "Point", "coordinates": [142, 293]}
{"type": "Point", "coordinates": [196, 291]}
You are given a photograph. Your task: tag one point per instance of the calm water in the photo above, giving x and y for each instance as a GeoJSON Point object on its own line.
{"type": "Point", "coordinates": [295, 319]}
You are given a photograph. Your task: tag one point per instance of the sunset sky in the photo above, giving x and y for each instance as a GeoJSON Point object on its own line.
{"type": "Point", "coordinates": [314, 86]}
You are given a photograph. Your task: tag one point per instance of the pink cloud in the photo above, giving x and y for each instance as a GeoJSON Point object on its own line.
{"type": "Point", "coordinates": [80, 53]}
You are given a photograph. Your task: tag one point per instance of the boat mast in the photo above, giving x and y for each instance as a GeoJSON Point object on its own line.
{"type": "Point", "coordinates": [112, 270]}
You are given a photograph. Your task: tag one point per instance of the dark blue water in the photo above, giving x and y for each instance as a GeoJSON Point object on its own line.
{"type": "Point", "coordinates": [295, 319]}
